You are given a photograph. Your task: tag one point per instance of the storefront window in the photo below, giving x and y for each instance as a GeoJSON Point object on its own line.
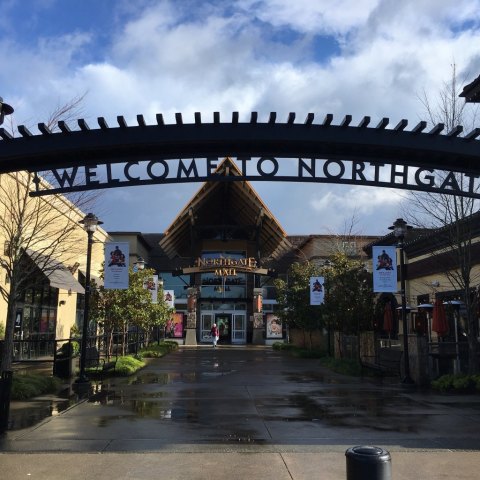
{"type": "Point", "coordinates": [39, 312]}
{"type": "Point", "coordinates": [178, 284]}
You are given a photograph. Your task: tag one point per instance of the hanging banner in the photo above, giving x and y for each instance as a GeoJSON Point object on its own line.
{"type": "Point", "coordinates": [384, 269]}
{"type": "Point", "coordinates": [169, 297]}
{"type": "Point", "coordinates": [317, 290]}
{"type": "Point", "coordinates": [151, 284]}
{"type": "Point", "coordinates": [116, 265]}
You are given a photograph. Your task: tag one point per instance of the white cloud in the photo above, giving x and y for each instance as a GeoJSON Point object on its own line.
{"type": "Point", "coordinates": [192, 56]}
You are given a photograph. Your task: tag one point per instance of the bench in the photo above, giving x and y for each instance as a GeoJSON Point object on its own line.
{"type": "Point", "coordinates": [387, 361]}
{"type": "Point", "coordinates": [93, 361]}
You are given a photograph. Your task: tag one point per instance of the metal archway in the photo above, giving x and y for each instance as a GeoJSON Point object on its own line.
{"type": "Point", "coordinates": [360, 144]}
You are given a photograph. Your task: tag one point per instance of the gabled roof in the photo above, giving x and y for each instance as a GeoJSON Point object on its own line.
{"type": "Point", "coordinates": [471, 92]}
{"type": "Point", "coordinates": [230, 207]}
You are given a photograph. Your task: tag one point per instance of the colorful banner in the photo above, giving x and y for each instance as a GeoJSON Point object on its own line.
{"type": "Point", "coordinates": [116, 265]}
{"type": "Point", "coordinates": [317, 290]}
{"type": "Point", "coordinates": [384, 261]}
{"type": "Point", "coordinates": [274, 326]}
{"type": "Point", "coordinates": [151, 284]}
{"type": "Point", "coordinates": [169, 297]}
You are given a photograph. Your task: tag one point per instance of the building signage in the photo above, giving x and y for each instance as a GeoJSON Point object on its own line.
{"type": "Point", "coordinates": [384, 269]}
{"type": "Point", "coordinates": [226, 267]}
{"type": "Point", "coordinates": [116, 265]}
{"type": "Point", "coordinates": [318, 170]}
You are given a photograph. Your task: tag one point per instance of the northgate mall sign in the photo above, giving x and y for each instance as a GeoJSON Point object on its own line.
{"type": "Point", "coordinates": [307, 170]}
{"type": "Point", "coordinates": [225, 267]}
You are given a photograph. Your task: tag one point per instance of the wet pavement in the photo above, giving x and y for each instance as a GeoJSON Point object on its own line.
{"type": "Point", "coordinates": [260, 411]}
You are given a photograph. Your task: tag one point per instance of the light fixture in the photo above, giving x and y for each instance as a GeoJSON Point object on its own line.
{"type": "Point", "coordinates": [140, 263]}
{"type": "Point", "coordinates": [400, 229]}
{"type": "Point", "coordinates": [62, 302]}
{"type": "Point", "coordinates": [5, 109]}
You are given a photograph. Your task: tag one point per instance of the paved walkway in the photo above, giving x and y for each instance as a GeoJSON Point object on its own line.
{"type": "Point", "coordinates": [236, 413]}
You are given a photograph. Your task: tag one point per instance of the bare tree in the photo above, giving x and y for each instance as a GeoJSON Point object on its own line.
{"type": "Point", "coordinates": [38, 234]}
{"type": "Point", "coordinates": [451, 219]}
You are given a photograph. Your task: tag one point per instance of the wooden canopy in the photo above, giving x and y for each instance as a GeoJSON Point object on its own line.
{"type": "Point", "coordinates": [225, 211]}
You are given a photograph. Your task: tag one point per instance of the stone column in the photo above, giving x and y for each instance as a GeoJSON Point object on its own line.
{"type": "Point", "coordinates": [191, 330]}
{"type": "Point", "coordinates": [418, 357]}
{"type": "Point", "coordinates": [258, 322]}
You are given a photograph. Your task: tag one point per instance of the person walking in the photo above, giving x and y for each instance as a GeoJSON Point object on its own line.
{"type": "Point", "coordinates": [214, 332]}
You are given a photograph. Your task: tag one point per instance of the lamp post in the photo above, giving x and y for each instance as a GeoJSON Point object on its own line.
{"type": "Point", "coordinates": [5, 109]}
{"type": "Point", "coordinates": [327, 264]}
{"type": "Point", "coordinates": [400, 229]}
{"type": "Point", "coordinates": [90, 223]}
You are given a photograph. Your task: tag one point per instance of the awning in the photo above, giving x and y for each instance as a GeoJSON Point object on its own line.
{"type": "Point", "coordinates": [98, 280]}
{"type": "Point", "coordinates": [57, 273]}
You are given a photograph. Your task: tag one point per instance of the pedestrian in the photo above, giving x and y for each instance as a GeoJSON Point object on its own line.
{"type": "Point", "coordinates": [214, 333]}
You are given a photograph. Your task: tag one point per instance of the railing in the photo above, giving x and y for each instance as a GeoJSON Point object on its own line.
{"type": "Point", "coordinates": [449, 357]}
{"type": "Point", "coordinates": [112, 344]}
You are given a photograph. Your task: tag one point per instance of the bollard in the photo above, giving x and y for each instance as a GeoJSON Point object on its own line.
{"type": "Point", "coordinates": [368, 463]}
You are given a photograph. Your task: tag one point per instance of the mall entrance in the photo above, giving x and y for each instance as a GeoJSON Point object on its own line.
{"type": "Point", "coordinates": [231, 323]}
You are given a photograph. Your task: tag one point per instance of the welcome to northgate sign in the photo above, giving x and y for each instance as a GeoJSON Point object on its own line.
{"type": "Point", "coordinates": [263, 169]}
{"type": "Point", "coordinates": [89, 158]}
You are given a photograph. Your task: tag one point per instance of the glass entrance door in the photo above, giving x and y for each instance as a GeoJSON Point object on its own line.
{"type": "Point", "coordinates": [239, 328]}
{"type": "Point", "coordinates": [206, 326]}
{"type": "Point", "coordinates": [224, 325]}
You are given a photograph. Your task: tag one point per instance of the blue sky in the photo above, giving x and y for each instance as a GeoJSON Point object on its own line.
{"type": "Point", "coordinates": [358, 57]}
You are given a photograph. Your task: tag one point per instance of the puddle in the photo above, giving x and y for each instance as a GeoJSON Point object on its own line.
{"type": "Point", "coordinates": [36, 411]}
{"type": "Point", "coordinates": [163, 378]}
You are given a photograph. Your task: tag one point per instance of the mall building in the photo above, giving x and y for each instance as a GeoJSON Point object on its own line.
{"type": "Point", "coordinates": [220, 256]}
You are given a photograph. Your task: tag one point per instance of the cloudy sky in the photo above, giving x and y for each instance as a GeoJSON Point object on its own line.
{"type": "Point", "coordinates": [358, 57]}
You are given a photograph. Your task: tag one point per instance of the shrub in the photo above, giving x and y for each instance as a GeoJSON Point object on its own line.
{"type": "Point", "coordinates": [456, 383]}
{"type": "Point", "coordinates": [345, 366]}
{"type": "Point", "coordinates": [284, 346]}
{"type": "Point", "coordinates": [299, 351]}
{"type": "Point", "coordinates": [31, 385]}
{"type": "Point", "coordinates": [158, 350]}
{"type": "Point", "coordinates": [70, 349]}
{"type": "Point", "coordinates": [128, 365]}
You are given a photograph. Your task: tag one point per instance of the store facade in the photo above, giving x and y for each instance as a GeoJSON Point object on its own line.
{"type": "Point", "coordinates": [219, 258]}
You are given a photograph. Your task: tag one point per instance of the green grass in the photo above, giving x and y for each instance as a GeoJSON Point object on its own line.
{"type": "Point", "coordinates": [128, 365]}
{"type": "Point", "coordinates": [158, 350]}
{"type": "Point", "coordinates": [30, 385]}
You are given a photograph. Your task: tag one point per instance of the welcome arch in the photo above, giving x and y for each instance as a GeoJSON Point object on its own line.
{"type": "Point", "coordinates": [323, 152]}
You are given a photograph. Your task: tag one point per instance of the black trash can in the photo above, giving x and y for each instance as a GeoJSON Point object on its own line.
{"type": "Point", "coordinates": [5, 390]}
{"type": "Point", "coordinates": [366, 462]}
{"type": "Point", "coordinates": [63, 366]}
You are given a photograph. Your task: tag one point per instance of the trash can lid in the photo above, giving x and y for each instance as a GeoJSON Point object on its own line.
{"type": "Point", "coordinates": [368, 453]}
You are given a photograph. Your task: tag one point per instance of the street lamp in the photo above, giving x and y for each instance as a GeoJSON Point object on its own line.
{"type": "Point", "coordinates": [5, 109]}
{"type": "Point", "coordinates": [400, 229]}
{"type": "Point", "coordinates": [140, 263]}
{"type": "Point", "coordinates": [90, 223]}
{"type": "Point", "coordinates": [327, 264]}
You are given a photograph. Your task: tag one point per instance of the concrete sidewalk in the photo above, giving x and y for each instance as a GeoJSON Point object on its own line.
{"type": "Point", "coordinates": [241, 412]}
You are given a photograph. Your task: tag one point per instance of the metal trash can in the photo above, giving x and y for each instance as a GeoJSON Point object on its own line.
{"type": "Point", "coordinates": [5, 389]}
{"type": "Point", "coordinates": [368, 463]}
